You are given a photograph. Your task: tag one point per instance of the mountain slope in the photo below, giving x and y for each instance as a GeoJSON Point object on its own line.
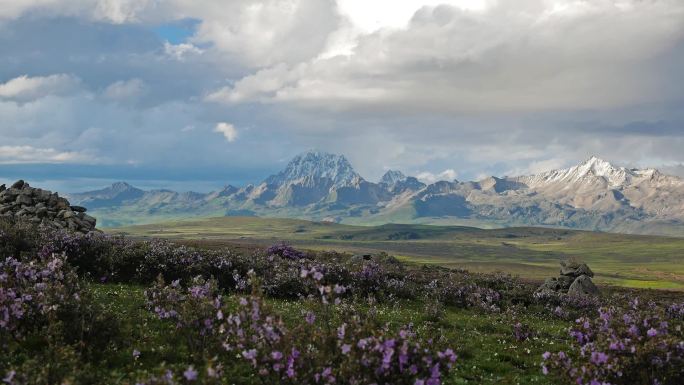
{"type": "Point", "coordinates": [593, 195]}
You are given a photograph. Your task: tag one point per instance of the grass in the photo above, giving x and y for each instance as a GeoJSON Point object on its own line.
{"type": "Point", "coordinates": [488, 352]}
{"type": "Point", "coordinates": [623, 260]}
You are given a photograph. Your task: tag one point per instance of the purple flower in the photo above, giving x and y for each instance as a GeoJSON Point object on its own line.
{"type": "Point", "coordinates": [190, 374]}
{"type": "Point", "coordinates": [599, 358]}
{"type": "Point", "coordinates": [9, 377]}
{"type": "Point", "coordinates": [346, 348]}
{"type": "Point", "coordinates": [310, 318]}
{"type": "Point", "coordinates": [136, 353]}
{"type": "Point", "coordinates": [249, 354]}
{"type": "Point", "coordinates": [652, 332]}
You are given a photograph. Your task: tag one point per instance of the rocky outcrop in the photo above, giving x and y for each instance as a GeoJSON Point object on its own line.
{"type": "Point", "coordinates": [23, 202]}
{"type": "Point", "coordinates": [574, 279]}
{"type": "Point", "coordinates": [583, 286]}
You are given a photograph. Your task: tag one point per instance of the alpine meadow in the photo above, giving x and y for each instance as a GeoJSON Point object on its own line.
{"type": "Point", "coordinates": [341, 192]}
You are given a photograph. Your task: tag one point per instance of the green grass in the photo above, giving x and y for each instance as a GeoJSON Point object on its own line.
{"type": "Point", "coordinates": [623, 260]}
{"type": "Point", "coordinates": [484, 342]}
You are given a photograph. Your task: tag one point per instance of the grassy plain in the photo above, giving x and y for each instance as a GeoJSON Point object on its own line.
{"type": "Point", "coordinates": [636, 261]}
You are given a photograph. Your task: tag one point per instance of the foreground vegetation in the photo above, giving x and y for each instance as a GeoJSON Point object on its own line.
{"type": "Point", "coordinates": [103, 309]}
{"type": "Point", "coordinates": [621, 260]}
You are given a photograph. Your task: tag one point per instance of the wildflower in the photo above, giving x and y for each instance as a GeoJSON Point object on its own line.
{"type": "Point", "coordinates": [136, 354]}
{"type": "Point", "coordinates": [9, 377]}
{"type": "Point", "coordinates": [190, 374]}
{"type": "Point", "coordinates": [310, 318]}
{"type": "Point", "coordinates": [652, 332]}
{"type": "Point", "coordinates": [346, 348]}
{"type": "Point", "coordinates": [599, 358]}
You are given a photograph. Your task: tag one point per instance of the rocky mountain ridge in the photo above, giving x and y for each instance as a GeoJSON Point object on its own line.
{"type": "Point", "coordinates": [593, 195]}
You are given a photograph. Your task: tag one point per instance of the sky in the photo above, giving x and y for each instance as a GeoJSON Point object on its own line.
{"type": "Point", "coordinates": [196, 94]}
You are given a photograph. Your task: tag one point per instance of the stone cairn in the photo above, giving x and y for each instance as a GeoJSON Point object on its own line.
{"type": "Point", "coordinates": [39, 206]}
{"type": "Point", "coordinates": [574, 279]}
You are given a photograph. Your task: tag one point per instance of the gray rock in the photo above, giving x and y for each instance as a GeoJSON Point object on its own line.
{"type": "Point", "coordinates": [564, 282]}
{"type": "Point", "coordinates": [583, 286]}
{"type": "Point", "coordinates": [2, 187]}
{"type": "Point", "coordinates": [551, 284]}
{"type": "Point", "coordinates": [575, 269]}
{"type": "Point", "coordinates": [43, 207]}
{"type": "Point", "coordinates": [88, 219]}
{"type": "Point", "coordinates": [24, 200]}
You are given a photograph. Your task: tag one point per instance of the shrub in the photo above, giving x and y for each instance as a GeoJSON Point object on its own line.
{"type": "Point", "coordinates": [636, 345]}
{"type": "Point", "coordinates": [320, 350]}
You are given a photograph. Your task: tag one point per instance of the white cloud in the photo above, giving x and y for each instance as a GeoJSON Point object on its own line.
{"type": "Point", "coordinates": [29, 154]}
{"type": "Point", "coordinates": [181, 51]}
{"type": "Point", "coordinates": [536, 55]}
{"type": "Point", "coordinates": [25, 88]}
{"type": "Point", "coordinates": [125, 89]}
{"type": "Point", "coordinates": [228, 130]}
{"type": "Point", "coordinates": [428, 177]}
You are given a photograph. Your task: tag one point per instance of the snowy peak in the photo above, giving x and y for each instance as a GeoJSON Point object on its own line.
{"type": "Point", "coordinates": [315, 165]}
{"type": "Point", "coordinates": [599, 167]}
{"type": "Point", "coordinates": [590, 172]}
{"type": "Point", "coordinates": [393, 177]}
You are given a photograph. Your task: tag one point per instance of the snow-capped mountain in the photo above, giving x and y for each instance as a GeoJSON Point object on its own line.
{"type": "Point", "coordinates": [594, 195]}
{"type": "Point", "coordinates": [598, 185]}
{"type": "Point", "coordinates": [315, 166]}
{"type": "Point", "coordinates": [590, 172]}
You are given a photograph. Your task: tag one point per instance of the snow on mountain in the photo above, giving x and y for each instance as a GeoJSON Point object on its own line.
{"type": "Point", "coordinates": [392, 177]}
{"type": "Point", "coordinates": [590, 171]}
{"type": "Point", "coordinates": [594, 195]}
{"type": "Point", "coordinates": [315, 165]}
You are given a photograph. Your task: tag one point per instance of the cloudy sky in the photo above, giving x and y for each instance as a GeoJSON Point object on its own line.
{"type": "Point", "coordinates": [194, 94]}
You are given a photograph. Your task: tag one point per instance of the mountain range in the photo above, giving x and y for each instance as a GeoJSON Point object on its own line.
{"type": "Point", "coordinates": [593, 195]}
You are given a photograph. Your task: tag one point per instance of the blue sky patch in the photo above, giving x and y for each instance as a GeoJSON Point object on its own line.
{"type": "Point", "coordinates": [177, 32]}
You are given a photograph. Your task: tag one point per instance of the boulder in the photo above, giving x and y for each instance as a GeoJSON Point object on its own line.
{"type": "Point", "coordinates": [583, 286]}
{"type": "Point", "coordinates": [564, 282]}
{"type": "Point", "coordinates": [79, 209]}
{"type": "Point", "coordinates": [575, 269]}
{"type": "Point", "coordinates": [24, 200]}
{"type": "Point", "coordinates": [18, 184]}
{"type": "Point", "coordinates": [550, 284]}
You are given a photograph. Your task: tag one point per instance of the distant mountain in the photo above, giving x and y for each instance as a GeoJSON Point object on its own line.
{"type": "Point", "coordinates": [593, 195]}
{"type": "Point", "coordinates": [117, 194]}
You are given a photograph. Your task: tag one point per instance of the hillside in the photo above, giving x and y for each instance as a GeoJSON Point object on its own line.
{"type": "Point", "coordinates": [625, 260]}
{"type": "Point", "coordinates": [119, 310]}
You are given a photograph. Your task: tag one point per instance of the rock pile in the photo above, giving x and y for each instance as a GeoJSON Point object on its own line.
{"type": "Point", "coordinates": [574, 279]}
{"type": "Point", "coordinates": [39, 206]}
